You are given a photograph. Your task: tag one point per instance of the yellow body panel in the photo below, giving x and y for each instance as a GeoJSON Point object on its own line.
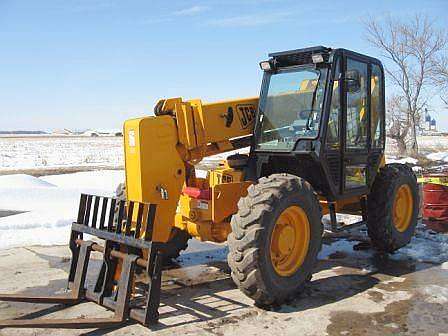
{"type": "Point", "coordinates": [227, 186]}
{"type": "Point", "coordinates": [225, 198]}
{"type": "Point", "coordinates": [195, 209]}
{"type": "Point", "coordinates": [160, 153]}
{"type": "Point", "coordinates": [211, 119]}
{"type": "Point", "coordinates": [209, 220]}
{"type": "Point", "coordinates": [155, 172]}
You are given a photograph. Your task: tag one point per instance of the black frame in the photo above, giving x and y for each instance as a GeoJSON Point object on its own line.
{"type": "Point", "coordinates": [311, 158]}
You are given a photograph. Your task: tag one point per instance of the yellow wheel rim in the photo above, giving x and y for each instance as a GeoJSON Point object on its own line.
{"type": "Point", "coordinates": [403, 208]}
{"type": "Point", "coordinates": [290, 241]}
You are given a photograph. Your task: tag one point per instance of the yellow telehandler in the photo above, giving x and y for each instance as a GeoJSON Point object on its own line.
{"type": "Point", "coordinates": [316, 139]}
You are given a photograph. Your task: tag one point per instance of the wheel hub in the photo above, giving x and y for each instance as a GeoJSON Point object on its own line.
{"type": "Point", "coordinates": [403, 208]}
{"type": "Point", "coordinates": [286, 239]}
{"type": "Point", "coordinates": [290, 241]}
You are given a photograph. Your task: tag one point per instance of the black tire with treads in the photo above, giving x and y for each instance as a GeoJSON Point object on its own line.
{"type": "Point", "coordinates": [382, 232]}
{"type": "Point", "coordinates": [252, 226]}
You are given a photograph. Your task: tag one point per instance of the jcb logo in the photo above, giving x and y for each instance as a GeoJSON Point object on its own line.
{"type": "Point", "coordinates": [225, 178]}
{"type": "Point", "coordinates": [246, 114]}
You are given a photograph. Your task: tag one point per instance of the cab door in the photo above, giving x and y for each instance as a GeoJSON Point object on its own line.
{"type": "Point", "coordinates": [355, 125]}
{"type": "Point", "coordinates": [333, 141]}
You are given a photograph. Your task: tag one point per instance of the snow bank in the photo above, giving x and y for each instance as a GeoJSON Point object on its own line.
{"type": "Point", "coordinates": [100, 179]}
{"type": "Point", "coordinates": [22, 181]}
{"type": "Point", "coordinates": [50, 204]}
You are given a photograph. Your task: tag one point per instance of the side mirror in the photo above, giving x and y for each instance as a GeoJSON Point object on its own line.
{"type": "Point", "coordinates": [352, 80]}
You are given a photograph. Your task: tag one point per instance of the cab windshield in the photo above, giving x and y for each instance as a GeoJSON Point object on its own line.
{"type": "Point", "coordinates": [291, 107]}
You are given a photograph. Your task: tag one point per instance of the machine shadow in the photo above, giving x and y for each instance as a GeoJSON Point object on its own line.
{"type": "Point", "coordinates": [215, 299]}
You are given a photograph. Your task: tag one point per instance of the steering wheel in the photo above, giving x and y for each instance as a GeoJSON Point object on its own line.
{"type": "Point", "coordinates": [307, 114]}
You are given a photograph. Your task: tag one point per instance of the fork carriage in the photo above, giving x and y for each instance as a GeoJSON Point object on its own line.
{"type": "Point", "coordinates": [127, 247]}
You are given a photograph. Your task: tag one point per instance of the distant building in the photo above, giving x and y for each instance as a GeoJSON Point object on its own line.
{"type": "Point", "coordinates": [22, 133]}
{"type": "Point", "coordinates": [89, 133]}
{"type": "Point", "coordinates": [430, 124]}
{"type": "Point", "coordinates": [433, 125]}
{"type": "Point", "coordinates": [97, 133]}
{"type": "Point", "coordinates": [63, 131]}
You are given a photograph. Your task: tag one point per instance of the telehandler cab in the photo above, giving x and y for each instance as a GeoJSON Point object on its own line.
{"type": "Point", "coordinates": [316, 137]}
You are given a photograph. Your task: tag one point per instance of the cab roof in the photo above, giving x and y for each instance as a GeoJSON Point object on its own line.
{"type": "Point", "coordinates": [304, 55]}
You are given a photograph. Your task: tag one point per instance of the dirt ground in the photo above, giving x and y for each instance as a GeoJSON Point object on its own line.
{"type": "Point", "coordinates": [352, 293]}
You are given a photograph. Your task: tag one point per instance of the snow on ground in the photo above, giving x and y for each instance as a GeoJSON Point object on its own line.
{"type": "Point", "coordinates": [427, 145]}
{"type": "Point", "coordinates": [49, 205]}
{"type": "Point", "coordinates": [426, 246]}
{"type": "Point", "coordinates": [55, 152]}
{"type": "Point", "coordinates": [63, 152]}
{"type": "Point", "coordinates": [433, 143]}
{"type": "Point", "coordinates": [341, 245]}
{"type": "Point", "coordinates": [60, 152]}
{"type": "Point", "coordinates": [405, 160]}
{"type": "Point", "coordinates": [23, 181]}
{"type": "Point", "coordinates": [438, 156]}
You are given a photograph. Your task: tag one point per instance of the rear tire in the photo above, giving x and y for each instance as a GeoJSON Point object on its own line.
{"type": "Point", "coordinates": [178, 238]}
{"type": "Point", "coordinates": [250, 244]}
{"type": "Point", "coordinates": [390, 225]}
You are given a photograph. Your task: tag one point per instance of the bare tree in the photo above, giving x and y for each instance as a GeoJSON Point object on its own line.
{"type": "Point", "coordinates": [397, 122]}
{"type": "Point", "coordinates": [441, 77]}
{"type": "Point", "coordinates": [410, 48]}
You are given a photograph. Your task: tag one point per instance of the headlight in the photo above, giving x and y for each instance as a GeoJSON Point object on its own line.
{"type": "Point", "coordinates": [266, 66]}
{"type": "Point", "coordinates": [317, 58]}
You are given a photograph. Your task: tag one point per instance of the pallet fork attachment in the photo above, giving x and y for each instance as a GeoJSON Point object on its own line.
{"type": "Point", "coordinates": [123, 246]}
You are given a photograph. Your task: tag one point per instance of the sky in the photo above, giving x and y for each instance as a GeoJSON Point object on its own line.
{"type": "Point", "coordinates": [82, 64]}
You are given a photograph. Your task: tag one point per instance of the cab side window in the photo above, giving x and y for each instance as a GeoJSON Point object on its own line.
{"type": "Point", "coordinates": [335, 113]}
{"type": "Point", "coordinates": [377, 113]}
{"type": "Point", "coordinates": [357, 112]}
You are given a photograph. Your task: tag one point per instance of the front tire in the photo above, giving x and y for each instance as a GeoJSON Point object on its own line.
{"type": "Point", "coordinates": [393, 205]}
{"type": "Point", "coordinates": [276, 237]}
